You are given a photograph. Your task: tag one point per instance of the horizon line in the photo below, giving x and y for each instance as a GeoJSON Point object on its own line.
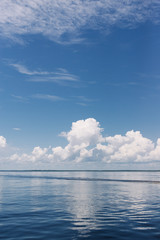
{"type": "Point", "coordinates": [76, 170]}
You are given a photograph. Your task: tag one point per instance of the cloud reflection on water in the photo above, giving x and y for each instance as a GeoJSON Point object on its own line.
{"type": "Point", "coordinates": [84, 206]}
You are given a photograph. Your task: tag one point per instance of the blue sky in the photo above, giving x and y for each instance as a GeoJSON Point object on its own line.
{"type": "Point", "coordinates": [86, 62]}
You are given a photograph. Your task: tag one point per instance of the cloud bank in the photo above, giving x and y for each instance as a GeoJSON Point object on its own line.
{"type": "Point", "coordinates": [85, 143]}
{"type": "Point", "coordinates": [64, 21]}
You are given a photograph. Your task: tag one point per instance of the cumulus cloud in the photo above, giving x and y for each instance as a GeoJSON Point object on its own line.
{"type": "Point", "coordinates": [84, 131]}
{"type": "Point", "coordinates": [65, 21]}
{"type": "Point", "coordinates": [83, 134]}
{"type": "Point", "coordinates": [131, 147]}
{"type": "Point", "coordinates": [155, 153]}
{"type": "Point", "coordinates": [37, 154]}
{"type": "Point", "coordinates": [3, 142]}
{"type": "Point", "coordinates": [86, 143]}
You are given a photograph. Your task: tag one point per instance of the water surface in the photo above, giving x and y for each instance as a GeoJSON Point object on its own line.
{"type": "Point", "coordinates": [79, 205]}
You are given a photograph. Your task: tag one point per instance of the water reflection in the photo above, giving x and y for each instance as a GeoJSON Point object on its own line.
{"type": "Point", "coordinates": [93, 204]}
{"type": "Point", "coordinates": [83, 206]}
{"type": "Point", "coordinates": [53, 204]}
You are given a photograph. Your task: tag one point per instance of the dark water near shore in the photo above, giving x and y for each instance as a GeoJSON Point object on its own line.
{"type": "Point", "coordinates": [79, 205]}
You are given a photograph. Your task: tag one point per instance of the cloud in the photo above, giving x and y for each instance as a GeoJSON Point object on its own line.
{"type": "Point", "coordinates": [87, 144]}
{"type": "Point", "coordinates": [65, 21]}
{"type": "Point", "coordinates": [16, 129]}
{"type": "Point", "coordinates": [48, 97]}
{"type": "Point", "coordinates": [59, 76]}
{"type": "Point", "coordinates": [132, 147]}
{"type": "Point", "coordinates": [83, 101]}
{"type": "Point", "coordinates": [24, 70]}
{"type": "Point", "coordinates": [37, 154]}
{"type": "Point", "coordinates": [20, 98]}
{"type": "Point", "coordinates": [3, 142]}
{"type": "Point", "coordinates": [86, 131]}
{"type": "Point", "coordinates": [83, 134]}
{"type": "Point", "coordinates": [155, 153]}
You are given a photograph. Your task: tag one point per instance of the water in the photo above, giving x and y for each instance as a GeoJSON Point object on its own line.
{"type": "Point", "coordinates": [79, 205]}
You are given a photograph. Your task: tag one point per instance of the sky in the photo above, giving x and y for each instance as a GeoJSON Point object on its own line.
{"type": "Point", "coordinates": [79, 84]}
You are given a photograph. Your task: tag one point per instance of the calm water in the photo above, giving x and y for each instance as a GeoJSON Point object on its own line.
{"type": "Point", "coordinates": [79, 205]}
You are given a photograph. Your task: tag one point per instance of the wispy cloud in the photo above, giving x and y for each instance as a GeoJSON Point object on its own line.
{"type": "Point", "coordinates": [82, 104]}
{"type": "Point", "coordinates": [16, 129]}
{"type": "Point", "coordinates": [148, 76]}
{"type": "Point", "coordinates": [27, 99]}
{"type": "Point", "coordinates": [24, 70]}
{"type": "Point", "coordinates": [48, 97]}
{"type": "Point", "coordinates": [84, 101]}
{"type": "Point", "coordinates": [64, 21]}
{"type": "Point", "coordinates": [19, 98]}
{"type": "Point", "coordinates": [59, 76]}
{"type": "Point", "coordinates": [80, 100]}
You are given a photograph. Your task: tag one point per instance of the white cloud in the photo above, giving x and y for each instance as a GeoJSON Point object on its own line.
{"type": "Point", "coordinates": [155, 153]}
{"type": "Point", "coordinates": [59, 76]}
{"type": "Point", "coordinates": [84, 101]}
{"type": "Point", "coordinates": [63, 21]}
{"type": "Point", "coordinates": [83, 134]}
{"type": "Point", "coordinates": [20, 98]}
{"type": "Point", "coordinates": [131, 147]}
{"type": "Point", "coordinates": [16, 129]}
{"type": "Point", "coordinates": [24, 70]}
{"type": "Point", "coordinates": [3, 142]}
{"type": "Point", "coordinates": [86, 131]}
{"type": "Point", "coordinates": [86, 143]}
{"type": "Point", "coordinates": [48, 97]}
{"type": "Point", "coordinates": [37, 154]}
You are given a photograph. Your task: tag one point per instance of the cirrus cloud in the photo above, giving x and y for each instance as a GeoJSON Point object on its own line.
{"type": "Point", "coordinates": [65, 21]}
